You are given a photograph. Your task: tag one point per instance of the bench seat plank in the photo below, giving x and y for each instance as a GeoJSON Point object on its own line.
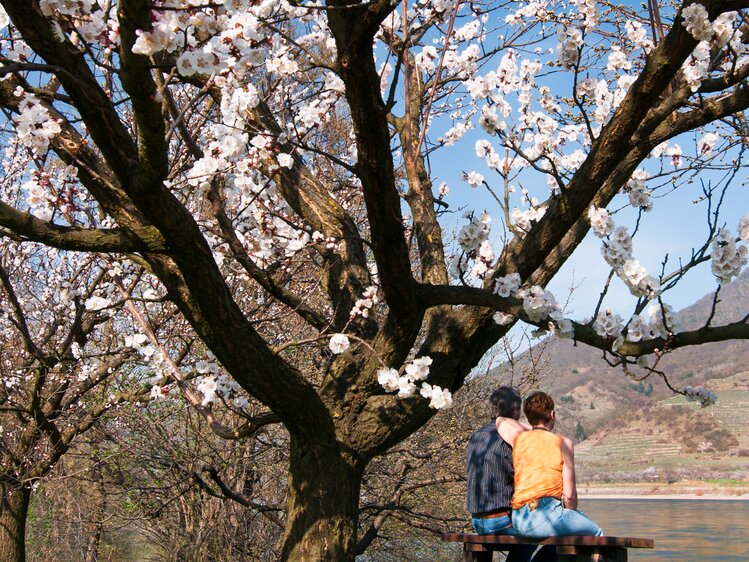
{"type": "Point", "coordinates": [479, 548]}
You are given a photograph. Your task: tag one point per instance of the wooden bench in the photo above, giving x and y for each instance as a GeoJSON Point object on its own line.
{"type": "Point", "coordinates": [479, 548]}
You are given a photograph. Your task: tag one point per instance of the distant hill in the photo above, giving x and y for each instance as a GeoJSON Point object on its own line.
{"type": "Point", "coordinates": [627, 427]}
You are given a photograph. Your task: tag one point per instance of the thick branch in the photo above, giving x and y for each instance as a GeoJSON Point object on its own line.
{"type": "Point", "coordinates": [138, 82]}
{"type": "Point", "coordinates": [735, 331]}
{"type": "Point", "coordinates": [25, 226]}
{"type": "Point", "coordinates": [526, 254]}
{"type": "Point", "coordinates": [375, 166]}
{"type": "Point", "coordinates": [419, 196]}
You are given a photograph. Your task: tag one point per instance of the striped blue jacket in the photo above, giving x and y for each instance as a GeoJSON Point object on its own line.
{"type": "Point", "coordinates": [490, 472]}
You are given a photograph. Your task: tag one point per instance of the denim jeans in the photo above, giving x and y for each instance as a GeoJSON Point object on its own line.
{"type": "Point", "coordinates": [551, 519]}
{"type": "Point", "coordinates": [503, 526]}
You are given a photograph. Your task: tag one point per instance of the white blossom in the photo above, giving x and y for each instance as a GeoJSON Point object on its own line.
{"type": "Point", "coordinates": [700, 394]}
{"type": "Point", "coordinates": [406, 388]}
{"type": "Point", "coordinates": [538, 303]}
{"type": "Point", "coordinates": [97, 303]}
{"type": "Point", "coordinates": [338, 343]}
{"type": "Point", "coordinates": [608, 324]}
{"type": "Point", "coordinates": [639, 196]}
{"type": "Point", "coordinates": [570, 41]}
{"type": "Point", "coordinates": [285, 160]}
{"type": "Point", "coordinates": [658, 327]}
{"type": "Point", "coordinates": [727, 258]}
{"type": "Point", "coordinates": [474, 179]}
{"type": "Point", "coordinates": [600, 221]}
{"type": "Point", "coordinates": [34, 125]}
{"type": "Point", "coordinates": [363, 305]}
{"type": "Point", "coordinates": [638, 35]}
{"type": "Point", "coordinates": [706, 144]}
{"type": "Point", "coordinates": [388, 378]}
{"type": "Point", "coordinates": [524, 219]}
{"type": "Point", "coordinates": [618, 60]}
{"type": "Point", "coordinates": [561, 326]}
{"type": "Point", "coordinates": [438, 397]}
{"type": "Point", "coordinates": [508, 284]}
{"type": "Point", "coordinates": [723, 27]}
{"type": "Point", "coordinates": [697, 66]}
{"type": "Point", "coordinates": [502, 318]}
{"type": "Point", "coordinates": [695, 19]}
{"type": "Point", "coordinates": [418, 369]}
{"type": "Point", "coordinates": [618, 248]}
{"type": "Point", "coordinates": [638, 329]}
{"type": "Point", "coordinates": [135, 340]}
{"type": "Point", "coordinates": [744, 228]}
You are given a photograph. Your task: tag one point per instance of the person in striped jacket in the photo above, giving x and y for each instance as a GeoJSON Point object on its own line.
{"type": "Point", "coordinates": [491, 477]}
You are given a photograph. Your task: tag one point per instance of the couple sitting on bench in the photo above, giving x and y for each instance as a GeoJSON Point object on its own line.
{"type": "Point", "coordinates": [521, 478]}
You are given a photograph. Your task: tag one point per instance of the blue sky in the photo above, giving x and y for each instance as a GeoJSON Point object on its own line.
{"type": "Point", "coordinates": [675, 226]}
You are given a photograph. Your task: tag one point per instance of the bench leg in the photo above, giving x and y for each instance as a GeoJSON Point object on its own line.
{"type": "Point", "coordinates": [476, 555]}
{"type": "Point", "coordinates": [591, 554]}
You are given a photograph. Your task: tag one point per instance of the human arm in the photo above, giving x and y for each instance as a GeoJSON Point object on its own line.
{"type": "Point", "coordinates": [509, 429]}
{"type": "Point", "coordinates": [569, 487]}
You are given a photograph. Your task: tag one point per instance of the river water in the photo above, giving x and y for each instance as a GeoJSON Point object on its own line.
{"type": "Point", "coordinates": [684, 530]}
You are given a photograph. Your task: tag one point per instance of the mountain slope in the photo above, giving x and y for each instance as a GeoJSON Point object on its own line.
{"type": "Point", "coordinates": [627, 426]}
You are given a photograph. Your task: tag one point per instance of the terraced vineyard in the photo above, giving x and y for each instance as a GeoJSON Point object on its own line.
{"type": "Point", "coordinates": [674, 440]}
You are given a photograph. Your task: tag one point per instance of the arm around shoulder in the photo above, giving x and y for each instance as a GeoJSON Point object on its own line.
{"type": "Point", "coordinates": [509, 429]}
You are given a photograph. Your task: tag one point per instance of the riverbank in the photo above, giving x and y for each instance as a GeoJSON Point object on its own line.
{"type": "Point", "coordinates": [696, 490]}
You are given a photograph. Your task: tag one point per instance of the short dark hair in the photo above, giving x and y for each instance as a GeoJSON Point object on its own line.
{"type": "Point", "coordinates": [538, 407]}
{"type": "Point", "coordinates": [505, 402]}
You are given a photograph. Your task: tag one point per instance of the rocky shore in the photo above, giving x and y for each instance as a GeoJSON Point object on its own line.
{"type": "Point", "coordinates": [657, 490]}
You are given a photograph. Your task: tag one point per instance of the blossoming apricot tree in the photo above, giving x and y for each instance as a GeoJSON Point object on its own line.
{"type": "Point", "coordinates": [255, 152]}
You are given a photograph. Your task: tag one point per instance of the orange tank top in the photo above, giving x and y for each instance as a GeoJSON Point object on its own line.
{"type": "Point", "coordinates": [537, 458]}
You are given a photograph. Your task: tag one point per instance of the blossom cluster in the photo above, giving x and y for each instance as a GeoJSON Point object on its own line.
{"type": "Point", "coordinates": [338, 343]}
{"type": "Point", "coordinates": [473, 240]}
{"type": "Point", "coordinates": [600, 221]}
{"type": "Point", "coordinates": [523, 219]}
{"type": "Point", "coordinates": [539, 305]}
{"type": "Point", "coordinates": [93, 20]}
{"type": "Point", "coordinates": [216, 385]}
{"type": "Point", "coordinates": [34, 125]}
{"type": "Point", "coordinates": [607, 324]}
{"type": "Point", "coordinates": [639, 195]}
{"type": "Point", "coordinates": [710, 35]}
{"type": "Point", "coordinates": [697, 22]}
{"type": "Point", "coordinates": [727, 259]}
{"type": "Point", "coordinates": [507, 285]}
{"type": "Point", "coordinates": [416, 370]}
{"type": "Point", "coordinates": [617, 251]}
{"type": "Point", "coordinates": [695, 19]}
{"type": "Point", "coordinates": [744, 228]}
{"type": "Point", "coordinates": [663, 320]}
{"type": "Point", "coordinates": [700, 394]}
{"type": "Point", "coordinates": [363, 305]}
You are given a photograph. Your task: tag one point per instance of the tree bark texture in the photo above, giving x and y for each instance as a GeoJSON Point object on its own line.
{"type": "Point", "coordinates": [322, 505]}
{"type": "Point", "coordinates": [14, 507]}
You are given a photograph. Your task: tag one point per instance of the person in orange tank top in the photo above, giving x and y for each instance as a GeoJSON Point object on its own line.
{"type": "Point", "coordinates": [544, 503]}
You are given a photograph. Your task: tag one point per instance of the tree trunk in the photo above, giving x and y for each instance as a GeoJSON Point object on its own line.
{"type": "Point", "coordinates": [98, 498]}
{"type": "Point", "coordinates": [323, 504]}
{"type": "Point", "coordinates": [14, 507]}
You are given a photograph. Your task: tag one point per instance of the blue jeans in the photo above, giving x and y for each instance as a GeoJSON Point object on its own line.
{"type": "Point", "coordinates": [551, 519]}
{"type": "Point", "coordinates": [503, 526]}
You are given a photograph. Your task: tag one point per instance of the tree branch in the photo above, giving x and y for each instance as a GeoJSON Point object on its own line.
{"type": "Point", "coordinates": [26, 227]}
